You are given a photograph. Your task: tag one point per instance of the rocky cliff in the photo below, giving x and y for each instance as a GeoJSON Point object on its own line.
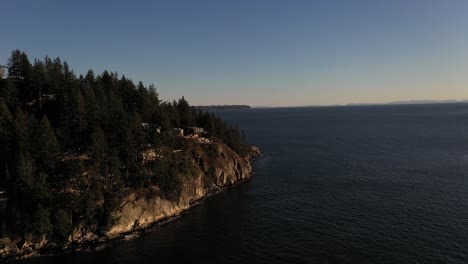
{"type": "Point", "coordinates": [141, 209]}
{"type": "Point", "coordinates": [215, 168]}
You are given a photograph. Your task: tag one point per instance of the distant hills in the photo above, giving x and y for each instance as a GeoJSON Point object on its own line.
{"type": "Point", "coordinates": [222, 107]}
{"type": "Point", "coordinates": [409, 102]}
{"type": "Point", "coordinates": [426, 102]}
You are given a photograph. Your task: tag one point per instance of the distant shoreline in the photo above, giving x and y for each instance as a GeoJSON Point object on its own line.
{"type": "Point", "coordinates": [393, 103]}
{"type": "Point", "coordinates": [221, 107]}
{"type": "Point", "coordinates": [402, 103]}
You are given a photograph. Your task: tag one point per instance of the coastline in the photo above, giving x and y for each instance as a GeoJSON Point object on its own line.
{"type": "Point", "coordinates": [12, 253]}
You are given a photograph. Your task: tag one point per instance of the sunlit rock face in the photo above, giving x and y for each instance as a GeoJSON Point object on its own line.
{"type": "Point", "coordinates": [141, 209]}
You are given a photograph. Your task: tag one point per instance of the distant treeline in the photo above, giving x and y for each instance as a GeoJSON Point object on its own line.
{"type": "Point", "coordinates": [221, 107]}
{"type": "Point", "coordinates": [70, 145]}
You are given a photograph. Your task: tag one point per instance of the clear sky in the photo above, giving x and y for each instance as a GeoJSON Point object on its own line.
{"type": "Point", "coordinates": [267, 53]}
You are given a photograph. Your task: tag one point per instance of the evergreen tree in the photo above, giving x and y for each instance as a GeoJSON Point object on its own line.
{"type": "Point", "coordinates": [47, 146]}
{"type": "Point", "coordinates": [91, 109]}
{"type": "Point", "coordinates": [99, 150]}
{"type": "Point", "coordinates": [62, 225]}
{"type": "Point", "coordinates": [184, 112]}
{"type": "Point", "coordinates": [38, 87]}
{"type": "Point", "coordinates": [8, 91]}
{"type": "Point", "coordinates": [6, 142]}
{"type": "Point", "coordinates": [42, 224]}
{"type": "Point", "coordinates": [19, 65]}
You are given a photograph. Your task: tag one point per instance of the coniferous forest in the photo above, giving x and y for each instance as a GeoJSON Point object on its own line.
{"type": "Point", "coordinates": [70, 145]}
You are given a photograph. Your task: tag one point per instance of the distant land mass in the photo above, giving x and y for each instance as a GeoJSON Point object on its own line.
{"type": "Point", "coordinates": [411, 102]}
{"type": "Point", "coordinates": [262, 106]}
{"type": "Point", "coordinates": [222, 107]}
{"type": "Point", "coordinates": [427, 102]}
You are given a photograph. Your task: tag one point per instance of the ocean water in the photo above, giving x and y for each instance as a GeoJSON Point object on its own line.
{"type": "Point", "coordinates": [360, 184]}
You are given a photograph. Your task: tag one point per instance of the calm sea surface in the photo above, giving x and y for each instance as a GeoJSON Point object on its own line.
{"type": "Point", "coordinates": [361, 184]}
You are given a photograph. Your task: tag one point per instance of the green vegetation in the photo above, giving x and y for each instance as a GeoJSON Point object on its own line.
{"type": "Point", "coordinates": [71, 146]}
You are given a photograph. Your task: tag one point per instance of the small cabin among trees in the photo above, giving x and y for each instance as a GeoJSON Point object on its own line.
{"type": "Point", "coordinates": [194, 131]}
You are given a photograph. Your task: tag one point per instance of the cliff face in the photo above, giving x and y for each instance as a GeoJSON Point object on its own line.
{"type": "Point", "coordinates": [216, 168]}
{"type": "Point", "coordinates": [141, 209]}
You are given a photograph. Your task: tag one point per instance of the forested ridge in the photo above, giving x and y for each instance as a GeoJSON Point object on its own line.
{"type": "Point", "coordinates": [71, 145]}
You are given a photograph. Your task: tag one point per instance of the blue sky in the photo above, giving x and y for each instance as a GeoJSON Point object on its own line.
{"type": "Point", "coordinates": [269, 53]}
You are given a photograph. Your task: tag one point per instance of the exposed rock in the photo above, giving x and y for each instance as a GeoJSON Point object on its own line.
{"type": "Point", "coordinates": [254, 153]}
{"type": "Point", "coordinates": [149, 210]}
{"type": "Point", "coordinates": [143, 208]}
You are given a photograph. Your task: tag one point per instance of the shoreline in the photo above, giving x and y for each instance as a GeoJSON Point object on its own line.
{"type": "Point", "coordinates": [108, 240]}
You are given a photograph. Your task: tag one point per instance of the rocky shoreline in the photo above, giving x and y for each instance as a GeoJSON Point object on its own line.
{"type": "Point", "coordinates": [142, 213]}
